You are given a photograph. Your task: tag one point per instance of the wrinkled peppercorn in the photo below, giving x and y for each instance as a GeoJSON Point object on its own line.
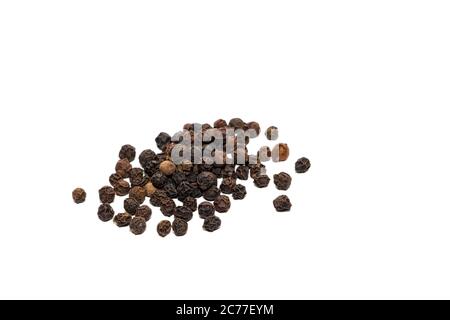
{"type": "Point", "coordinates": [280, 152]}
{"type": "Point", "coordinates": [167, 167]}
{"type": "Point", "coordinates": [137, 178]}
{"type": "Point", "coordinates": [122, 188]}
{"type": "Point", "coordinates": [114, 179]}
{"type": "Point", "coordinates": [127, 152]}
{"type": "Point", "coordinates": [157, 198]}
{"type": "Point", "coordinates": [261, 181]}
{"type": "Point", "coordinates": [123, 168]}
{"type": "Point", "coordinates": [178, 177]}
{"type": "Point", "coordinates": [191, 203]}
{"type": "Point", "coordinates": [179, 227]}
{"type": "Point", "coordinates": [122, 219]}
{"type": "Point", "coordinates": [105, 212]}
{"type": "Point", "coordinates": [239, 192]}
{"type": "Point", "coordinates": [282, 180]}
{"type": "Point", "coordinates": [106, 194]}
{"type": "Point", "coordinates": [184, 190]}
{"type": "Point", "coordinates": [79, 195]}
{"type": "Point", "coordinates": [168, 207]}
{"type": "Point", "coordinates": [237, 123]}
{"type": "Point", "coordinates": [184, 213]}
{"type": "Point", "coordinates": [138, 225]}
{"type": "Point", "coordinates": [272, 133]}
{"type": "Point", "coordinates": [242, 172]}
{"type": "Point", "coordinates": [206, 209]}
{"type": "Point", "coordinates": [222, 204]}
{"type": "Point", "coordinates": [211, 194]}
{"type": "Point", "coordinates": [211, 223]}
{"type": "Point", "coordinates": [162, 139]}
{"type": "Point", "coordinates": [164, 228]}
{"type": "Point", "coordinates": [227, 185]}
{"type": "Point", "coordinates": [131, 205]}
{"type": "Point", "coordinates": [302, 165]}
{"type": "Point", "coordinates": [252, 125]}
{"type": "Point", "coordinates": [206, 180]}
{"type": "Point", "coordinates": [282, 203]}
{"type": "Point", "coordinates": [158, 180]}
{"type": "Point", "coordinates": [257, 170]}
{"type": "Point", "coordinates": [138, 193]}
{"type": "Point", "coordinates": [144, 212]}
{"type": "Point", "coordinates": [220, 123]}
{"type": "Point", "coordinates": [146, 157]}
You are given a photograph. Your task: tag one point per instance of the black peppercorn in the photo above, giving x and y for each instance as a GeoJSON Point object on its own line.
{"type": "Point", "coordinates": [302, 165]}
{"type": "Point", "coordinates": [239, 192]}
{"type": "Point", "coordinates": [158, 180]}
{"type": "Point", "coordinates": [191, 203]}
{"type": "Point", "coordinates": [282, 180]}
{"type": "Point", "coordinates": [220, 123]}
{"type": "Point", "coordinates": [206, 209]}
{"type": "Point", "coordinates": [114, 179]}
{"type": "Point", "coordinates": [211, 194]}
{"type": "Point", "coordinates": [157, 198]}
{"type": "Point", "coordinates": [222, 204]}
{"type": "Point", "coordinates": [164, 228]}
{"type": "Point", "coordinates": [211, 223]}
{"type": "Point", "coordinates": [106, 194]}
{"type": "Point", "coordinates": [206, 180]}
{"type": "Point", "coordinates": [131, 205]}
{"type": "Point", "coordinates": [138, 193]}
{"type": "Point", "coordinates": [184, 213]}
{"type": "Point", "coordinates": [123, 168]}
{"type": "Point", "coordinates": [137, 178]}
{"type": "Point", "coordinates": [242, 172]}
{"type": "Point", "coordinates": [144, 212]}
{"type": "Point", "coordinates": [127, 152]}
{"type": "Point", "coordinates": [122, 188]}
{"type": "Point", "coordinates": [179, 227]}
{"type": "Point", "coordinates": [282, 203]}
{"type": "Point", "coordinates": [168, 207]}
{"type": "Point", "coordinates": [105, 212]}
{"type": "Point", "coordinates": [227, 185]}
{"type": "Point", "coordinates": [79, 195]}
{"type": "Point", "coordinates": [138, 225]}
{"type": "Point", "coordinates": [171, 190]}
{"type": "Point", "coordinates": [261, 181]}
{"type": "Point", "coordinates": [178, 177]}
{"type": "Point", "coordinates": [162, 139]}
{"type": "Point", "coordinates": [237, 123]}
{"type": "Point", "coordinates": [257, 170]}
{"type": "Point", "coordinates": [122, 219]}
{"type": "Point", "coordinates": [146, 158]}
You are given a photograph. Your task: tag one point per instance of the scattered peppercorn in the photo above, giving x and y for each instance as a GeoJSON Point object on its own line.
{"type": "Point", "coordinates": [242, 172]}
{"type": "Point", "coordinates": [191, 203]}
{"type": "Point", "coordinates": [179, 227]}
{"type": "Point", "coordinates": [302, 165]}
{"type": "Point", "coordinates": [164, 228]}
{"type": "Point", "coordinates": [282, 203]}
{"type": "Point", "coordinates": [211, 223]}
{"type": "Point", "coordinates": [206, 209]}
{"type": "Point", "coordinates": [222, 204]}
{"type": "Point", "coordinates": [168, 207]}
{"type": "Point", "coordinates": [122, 219]}
{"type": "Point", "coordinates": [282, 180]}
{"type": "Point", "coordinates": [127, 152]}
{"type": "Point", "coordinates": [105, 212]}
{"type": "Point", "coordinates": [149, 189]}
{"type": "Point", "coordinates": [261, 181]}
{"type": "Point", "coordinates": [239, 192]}
{"type": "Point", "coordinates": [138, 225]}
{"type": "Point", "coordinates": [144, 212]}
{"type": "Point", "coordinates": [184, 213]}
{"type": "Point", "coordinates": [123, 168]}
{"type": "Point", "coordinates": [131, 205]}
{"type": "Point", "coordinates": [227, 185]}
{"type": "Point", "coordinates": [211, 194]}
{"type": "Point", "coordinates": [79, 195]}
{"type": "Point", "coordinates": [106, 194]}
{"type": "Point", "coordinates": [138, 193]}
{"type": "Point", "coordinates": [162, 139]}
{"type": "Point", "coordinates": [122, 188]}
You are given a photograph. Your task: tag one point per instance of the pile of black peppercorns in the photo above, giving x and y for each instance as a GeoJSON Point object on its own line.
{"type": "Point", "coordinates": [176, 188]}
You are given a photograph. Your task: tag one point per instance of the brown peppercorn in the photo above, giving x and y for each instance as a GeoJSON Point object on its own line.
{"type": "Point", "coordinates": [282, 203]}
{"type": "Point", "coordinates": [206, 209]}
{"type": "Point", "coordinates": [167, 167]}
{"type": "Point", "coordinates": [211, 194]}
{"type": "Point", "coordinates": [261, 181]}
{"type": "Point", "coordinates": [227, 185]}
{"type": "Point", "coordinates": [212, 223]}
{"type": "Point", "coordinates": [122, 188]}
{"type": "Point", "coordinates": [272, 133]}
{"type": "Point", "coordinates": [257, 170]}
{"type": "Point", "coordinates": [149, 189]}
{"type": "Point", "coordinates": [105, 212]}
{"type": "Point", "coordinates": [144, 212]}
{"type": "Point", "coordinates": [222, 204]}
{"type": "Point", "coordinates": [106, 194]}
{"type": "Point", "coordinates": [164, 228]}
{"type": "Point", "coordinates": [237, 123]}
{"type": "Point", "coordinates": [242, 172]}
{"type": "Point", "coordinates": [138, 225]}
{"type": "Point", "coordinates": [282, 180]}
{"type": "Point", "coordinates": [138, 193]}
{"type": "Point", "coordinates": [137, 178]}
{"type": "Point", "coordinates": [127, 152]}
{"type": "Point", "coordinates": [131, 205]}
{"type": "Point", "coordinates": [264, 154]}
{"type": "Point", "coordinates": [123, 168]}
{"type": "Point", "coordinates": [239, 192]}
{"type": "Point", "coordinates": [184, 213]}
{"type": "Point", "coordinates": [78, 195]}
{"type": "Point", "coordinates": [122, 219]}
{"type": "Point", "coordinates": [168, 207]}
{"type": "Point", "coordinates": [252, 125]}
{"type": "Point", "coordinates": [302, 165]}
{"type": "Point", "coordinates": [157, 198]}
{"type": "Point", "coordinates": [280, 152]}
{"type": "Point", "coordinates": [220, 123]}
{"type": "Point", "coordinates": [179, 227]}
{"type": "Point", "coordinates": [114, 179]}
{"type": "Point", "coordinates": [191, 203]}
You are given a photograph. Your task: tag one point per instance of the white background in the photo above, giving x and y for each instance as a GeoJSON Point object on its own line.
{"type": "Point", "coordinates": [359, 87]}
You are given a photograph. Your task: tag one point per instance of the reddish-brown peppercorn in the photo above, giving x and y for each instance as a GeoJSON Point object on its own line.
{"type": "Point", "coordinates": [280, 152]}
{"type": "Point", "coordinates": [122, 188]}
{"type": "Point", "coordinates": [144, 212]}
{"type": "Point", "coordinates": [138, 193]}
{"type": "Point", "coordinates": [78, 195]}
{"type": "Point", "coordinates": [127, 152]}
{"type": "Point", "coordinates": [179, 227]}
{"type": "Point", "coordinates": [167, 167]}
{"type": "Point", "coordinates": [105, 212]}
{"type": "Point", "coordinates": [282, 180]}
{"type": "Point", "coordinates": [282, 203]}
{"type": "Point", "coordinates": [138, 225]}
{"type": "Point", "coordinates": [106, 194]}
{"type": "Point", "coordinates": [164, 228]}
{"type": "Point", "coordinates": [123, 168]}
{"type": "Point", "coordinates": [222, 204]}
{"type": "Point", "coordinates": [122, 219]}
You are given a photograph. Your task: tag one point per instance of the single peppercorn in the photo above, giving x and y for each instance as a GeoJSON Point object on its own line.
{"type": "Point", "coordinates": [106, 194]}
{"type": "Point", "coordinates": [127, 152]}
{"type": "Point", "coordinates": [171, 190]}
{"type": "Point", "coordinates": [261, 181]}
{"type": "Point", "coordinates": [211, 223]}
{"type": "Point", "coordinates": [184, 213]}
{"type": "Point", "coordinates": [302, 165]}
{"type": "Point", "coordinates": [227, 185]}
{"type": "Point", "coordinates": [168, 207]}
{"type": "Point", "coordinates": [242, 172]}
{"type": "Point", "coordinates": [164, 227]}
{"type": "Point", "coordinates": [282, 203]}
{"type": "Point", "coordinates": [146, 157]}
{"type": "Point", "coordinates": [282, 180]}
{"type": "Point", "coordinates": [138, 193]}
{"type": "Point", "coordinates": [211, 194]}
{"type": "Point", "coordinates": [191, 203]}
{"type": "Point", "coordinates": [138, 225]}
{"type": "Point", "coordinates": [78, 195]}
{"type": "Point", "coordinates": [123, 168]}
{"type": "Point", "coordinates": [137, 178]}
{"type": "Point", "coordinates": [272, 133]}
{"type": "Point", "coordinates": [167, 167]}
{"type": "Point", "coordinates": [239, 192]}
{"type": "Point", "coordinates": [114, 179]}
{"type": "Point", "coordinates": [264, 154]}
{"type": "Point", "coordinates": [122, 219]}
{"type": "Point", "coordinates": [178, 177]}
{"type": "Point", "coordinates": [257, 170]}
{"type": "Point", "coordinates": [158, 180]}
{"type": "Point", "coordinates": [144, 212]}
{"type": "Point", "coordinates": [206, 209]}
{"type": "Point", "coordinates": [179, 227]}
{"type": "Point", "coordinates": [220, 123]}
{"type": "Point", "coordinates": [280, 152]}
{"type": "Point", "coordinates": [105, 212]}
{"type": "Point", "coordinates": [122, 188]}
{"type": "Point", "coordinates": [162, 139]}
{"type": "Point", "coordinates": [222, 204]}
{"type": "Point", "coordinates": [131, 205]}
{"type": "Point", "coordinates": [206, 180]}
{"type": "Point", "coordinates": [237, 123]}
{"type": "Point", "coordinates": [157, 198]}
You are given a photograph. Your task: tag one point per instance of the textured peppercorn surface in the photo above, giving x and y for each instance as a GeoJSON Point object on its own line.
{"type": "Point", "coordinates": [122, 219]}
{"type": "Point", "coordinates": [131, 205]}
{"type": "Point", "coordinates": [79, 195]}
{"type": "Point", "coordinates": [105, 212]}
{"type": "Point", "coordinates": [164, 227]}
{"type": "Point", "coordinates": [212, 223]}
{"type": "Point", "coordinates": [138, 225]}
{"type": "Point", "coordinates": [302, 165]}
{"type": "Point", "coordinates": [184, 213]}
{"type": "Point", "coordinates": [282, 180]}
{"type": "Point", "coordinates": [162, 139]}
{"type": "Point", "coordinates": [127, 152]}
{"type": "Point", "coordinates": [211, 194]}
{"type": "Point", "coordinates": [179, 227]}
{"type": "Point", "coordinates": [122, 188]}
{"type": "Point", "coordinates": [138, 194]}
{"type": "Point", "coordinates": [242, 172]}
{"type": "Point", "coordinates": [144, 212]}
{"type": "Point", "coordinates": [206, 209]}
{"type": "Point", "coordinates": [222, 204]}
{"type": "Point", "coordinates": [262, 181]}
{"type": "Point", "coordinates": [191, 203]}
{"type": "Point", "coordinates": [239, 192]}
{"type": "Point", "coordinates": [282, 203]}
{"type": "Point", "coordinates": [123, 168]}
{"type": "Point", "coordinates": [106, 194]}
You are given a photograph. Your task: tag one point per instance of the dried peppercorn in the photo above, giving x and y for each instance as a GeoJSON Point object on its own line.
{"type": "Point", "coordinates": [280, 152]}
{"type": "Point", "coordinates": [239, 192]}
{"type": "Point", "coordinates": [220, 123]}
{"type": "Point", "coordinates": [146, 157]}
{"type": "Point", "coordinates": [196, 192]}
{"type": "Point", "coordinates": [211, 223]}
{"type": "Point", "coordinates": [211, 194]}
{"type": "Point", "coordinates": [157, 198]}
{"type": "Point", "coordinates": [191, 203]}
{"type": "Point", "coordinates": [282, 180]}
{"type": "Point", "coordinates": [164, 227]}
{"type": "Point", "coordinates": [252, 125]}
{"type": "Point", "coordinates": [184, 213]}
{"type": "Point", "coordinates": [171, 190]}
{"type": "Point", "coordinates": [206, 209]}
{"type": "Point", "coordinates": [264, 154]}
{"type": "Point", "coordinates": [242, 172]}
{"type": "Point", "coordinates": [114, 179]}
{"type": "Point", "coordinates": [138, 225]}
{"type": "Point", "coordinates": [272, 133]}
{"type": "Point", "coordinates": [106, 194]}
{"type": "Point", "coordinates": [206, 180]}
{"type": "Point", "coordinates": [162, 139]}
{"type": "Point", "coordinates": [144, 212]}
{"type": "Point", "coordinates": [257, 170]}
{"type": "Point", "coordinates": [137, 178]}
{"type": "Point", "coordinates": [168, 207]}
{"type": "Point", "coordinates": [178, 177]}
{"type": "Point", "coordinates": [261, 181]}
{"type": "Point", "coordinates": [131, 205]}
{"type": "Point", "coordinates": [122, 219]}
{"type": "Point", "coordinates": [78, 195]}
{"type": "Point", "coordinates": [127, 152]}
{"type": "Point", "coordinates": [122, 188]}
{"type": "Point", "coordinates": [149, 189]}
{"type": "Point", "coordinates": [158, 180]}
{"type": "Point", "coordinates": [237, 123]}
{"type": "Point", "coordinates": [227, 186]}
{"type": "Point", "coordinates": [138, 193]}
{"type": "Point", "coordinates": [229, 171]}
{"type": "Point", "coordinates": [123, 168]}
{"type": "Point", "coordinates": [179, 227]}
{"type": "Point", "coordinates": [302, 165]}
{"type": "Point", "coordinates": [222, 204]}
{"type": "Point", "coordinates": [167, 167]}
{"type": "Point", "coordinates": [105, 212]}
{"type": "Point", "coordinates": [282, 203]}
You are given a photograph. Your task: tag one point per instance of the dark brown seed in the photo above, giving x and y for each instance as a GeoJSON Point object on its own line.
{"type": "Point", "coordinates": [137, 178]}
{"type": "Point", "coordinates": [191, 203]}
{"type": "Point", "coordinates": [131, 205]}
{"type": "Point", "coordinates": [211, 194]}
{"type": "Point", "coordinates": [144, 212]}
{"type": "Point", "coordinates": [149, 189]}
{"type": "Point", "coordinates": [242, 172]}
{"type": "Point", "coordinates": [158, 180]}
{"type": "Point", "coordinates": [157, 198]}
{"type": "Point", "coordinates": [168, 207]}
{"type": "Point", "coordinates": [106, 194]}
{"type": "Point", "coordinates": [227, 186]}
{"type": "Point", "coordinates": [239, 192]}
{"type": "Point", "coordinates": [302, 165]}
{"type": "Point", "coordinates": [222, 204]}
{"type": "Point", "coordinates": [206, 209]}
{"type": "Point", "coordinates": [146, 158]}
{"type": "Point", "coordinates": [220, 123]}
{"type": "Point", "coordinates": [122, 219]}
{"type": "Point", "coordinates": [282, 180]}
{"type": "Point", "coordinates": [282, 203]}
{"type": "Point", "coordinates": [162, 139]}
{"type": "Point", "coordinates": [272, 133]}
{"type": "Point", "coordinates": [138, 193]}
{"type": "Point", "coordinates": [122, 188]}
{"type": "Point", "coordinates": [280, 152]}
{"type": "Point", "coordinates": [123, 168]}
{"type": "Point", "coordinates": [167, 167]}
{"type": "Point", "coordinates": [78, 195]}
{"type": "Point", "coordinates": [237, 123]}
{"type": "Point", "coordinates": [257, 170]}
{"type": "Point", "coordinates": [261, 181]}
{"type": "Point", "coordinates": [254, 126]}
{"type": "Point", "coordinates": [127, 152]}
{"type": "Point", "coordinates": [184, 213]}
{"type": "Point", "coordinates": [179, 227]}
{"type": "Point", "coordinates": [164, 228]}
{"type": "Point", "coordinates": [114, 179]}
{"type": "Point", "coordinates": [105, 212]}
{"type": "Point", "coordinates": [206, 180]}
{"type": "Point", "coordinates": [211, 224]}
{"type": "Point", "coordinates": [138, 225]}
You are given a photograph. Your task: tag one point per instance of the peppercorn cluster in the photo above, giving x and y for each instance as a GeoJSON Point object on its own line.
{"type": "Point", "coordinates": [180, 190]}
